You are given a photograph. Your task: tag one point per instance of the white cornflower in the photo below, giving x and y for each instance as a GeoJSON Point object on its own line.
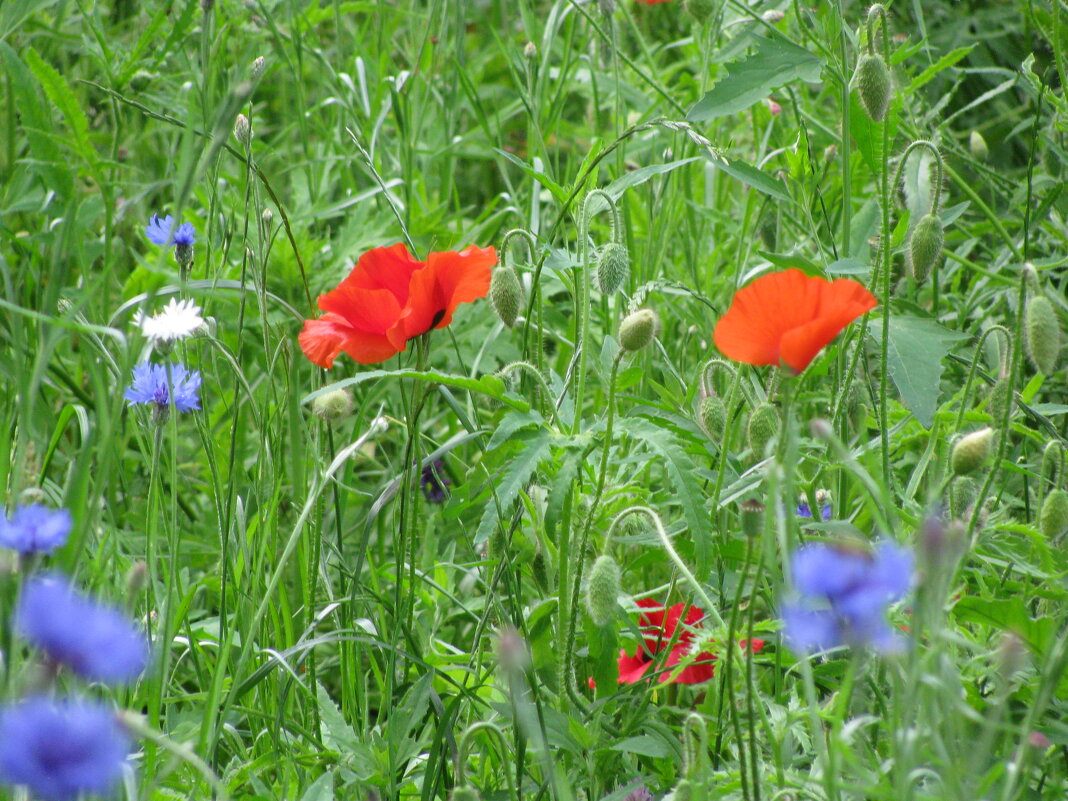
{"type": "Point", "coordinates": [178, 320]}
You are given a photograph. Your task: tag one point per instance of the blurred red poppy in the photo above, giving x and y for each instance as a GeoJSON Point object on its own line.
{"type": "Point", "coordinates": [787, 317]}
{"type": "Point", "coordinates": [389, 298]}
{"type": "Point", "coordinates": [651, 2]}
{"type": "Point", "coordinates": [658, 625]}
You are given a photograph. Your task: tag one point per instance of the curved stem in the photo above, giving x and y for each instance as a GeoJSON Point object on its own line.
{"type": "Point", "coordinates": [974, 365]}
{"type": "Point", "coordinates": [936, 197]}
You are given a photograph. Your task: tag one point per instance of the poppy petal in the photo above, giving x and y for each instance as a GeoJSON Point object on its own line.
{"type": "Point", "coordinates": [632, 669]}
{"type": "Point", "coordinates": [435, 291]}
{"type": "Point", "coordinates": [323, 339]}
{"type": "Point", "coordinates": [389, 268]}
{"type": "Point", "coordinates": [371, 310]}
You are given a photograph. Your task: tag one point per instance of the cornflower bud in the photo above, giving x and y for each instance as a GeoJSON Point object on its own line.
{"type": "Point", "coordinates": [925, 248]}
{"type": "Point", "coordinates": [267, 217]}
{"type": "Point", "coordinates": [506, 294]}
{"type": "Point", "coordinates": [712, 416]}
{"type": "Point", "coordinates": [977, 144]}
{"type": "Point", "coordinates": [258, 68]}
{"type": "Point", "coordinates": [763, 426]}
{"type": "Point", "coordinates": [603, 590]}
{"type": "Point", "coordinates": [613, 266]}
{"type": "Point", "coordinates": [242, 129]}
{"type": "Point", "coordinates": [334, 406]}
{"type": "Point", "coordinates": [530, 52]}
{"type": "Point", "coordinates": [971, 451]}
{"type": "Point", "coordinates": [638, 329]}
{"type": "Point", "coordinates": [872, 82]}
{"type": "Point", "coordinates": [1053, 519]}
{"type": "Point", "coordinates": [1042, 334]}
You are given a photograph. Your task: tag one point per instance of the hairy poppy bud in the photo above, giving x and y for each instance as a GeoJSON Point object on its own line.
{"type": "Point", "coordinates": [603, 589]}
{"type": "Point", "coordinates": [638, 329]}
{"type": "Point", "coordinates": [712, 416]}
{"type": "Point", "coordinates": [971, 451]}
{"type": "Point", "coordinates": [464, 793]}
{"type": "Point", "coordinates": [613, 266]}
{"type": "Point", "coordinates": [962, 494]}
{"type": "Point", "coordinates": [977, 144]}
{"type": "Point", "coordinates": [925, 249]}
{"type": "Point", "coordinates": [242, 129]}
{"type": "Point", "coordinates": [762, 428]}
{"type": "Point", "coordinates": [506, 294]}
{"type": "Point", "coordinates": [334, 406]}
{"type": "Point", "coordinates": [1053, 519]}
{"type": "Point", "coordinates": [701, 10]}
{"type": "Point", "coordinates": [539, 568]}
{"type": "Point", "coordinates": [1042, 334]}
{"type": "Point", "coordinates": [752, 517]}
{"type": "Point", "coordinates": [872, 82]}
{"type": "Point", "coordinates": [998, 399]}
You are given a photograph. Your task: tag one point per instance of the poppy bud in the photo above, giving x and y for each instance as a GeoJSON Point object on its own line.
{"type": "Point", "coordinates": [998, 399]}
{"type": "Point", "coordinates": [638, 329]}
{"type": "Point", "coordinates": [701, 10]}
{"type": "Point", "coordinates": [242, 129]}
{"type": "Point", "coordinates": [539, 568]}
{"type": "Point", "coordinates": [856, 408]}
{"type": "Point", "coordinates": [962, 495]}
{"type": "Point", "coordinates": [613, 266]}
{"type": "Point", "coordinates": [1053, 519]}
{"type": "Point", "coordinates": [925, 249]}
{"type": "Point", "coordinates": [712, 416]}
{"type": "Point", "coordinates": [603, 589]}
{"type": "Point", "coordinates": [683, 791]}
{"type": "Point", "coordinates": [762, 428]}
{"type": "Point", "coordinates": [977, 144]}
{"type": "Point", "coordinates": [752, 517]}
{"type": "Point", "coordinates": [464, 793]}
{"type": "Point", "coordinates": [506, 294]}
{"type": "Point", "coordinates": [872, 82]}
{"type": "Point", "coordinates": [1042, 334]}
{"type": "Point", "coordinates": [333, 407]}
{"type": "Point", "coordinates": [971, 451]}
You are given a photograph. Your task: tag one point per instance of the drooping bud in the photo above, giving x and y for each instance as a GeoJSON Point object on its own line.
{"type": "Point", "coordinates": [1053, 519]}
{"type": "Point", "coordinates": [971, 451]}
{"type": "Point", "coordinates": [925, 248]}
{"type": "Point", "coordinates": [977, 144]}
{"type": "Point", "coordinates": [603, 590]}
{"type": "Point", "coordinates": [712, 416]}
{"type": "Point", "coordinates": [506, 294]}
{"type": "Point", "coordinates": [613, 266]}
{"type": "Point", "coordinates": [1042, 334]}
{"type": "Point", "coordinates": [242, 129]}
{"type": "Point", "coordinates": [872, 82]}
{"type": "Point", "coordinates": [763, 426]}
{"type": "Point", "coordinates": [638, 329]}
{"type": "Point", "coordinates": [962, 494]}
{"type": "Point", "coordinates": [998, 399]}
{"type": "Point", "coordinates": [334, 406]}
{"type": "Point", "coordinates": [752, 513]}
{"type": "Point", "coordinates": [701, 10]}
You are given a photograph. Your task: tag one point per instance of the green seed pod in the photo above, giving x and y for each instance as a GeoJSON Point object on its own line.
{"type": "Point", "coordinates": [752, 513]}
{"type": "Point", "coordinates": [712, 416]}
{"type": "Point", "coordinates": [638, 329]}
{"type": "Point", "coordinates": [465, 793]}
{"type": "Point", "coordinates": [998, 399]}
{"type": "Point", "coordinates": [925, 249]}
{"type": "Point", "coordinates": [971, 450]}
{"type": "Point", "coordinates": [962, 494]}
{"type": "Point", "coordinates": [613, 267]}
{"type": "Point", "coordinates": [763, 426]}
{"type": "Point", "coordinates": [1053, 519]}
{"type": "Point", "coordinates": [506, 294]}
{"type": "Point", "coordinates": [977, 144]}
{"type": "Point", "coordinates": [702, 10]}
{"type": "Point", "coordinates": [872, 82]}
{"type": "Point", "coordinates": [334, 406]}
{"type": "Point", "coordinates": [603, 590]}
{"type": "Point", "coordinates": [1042, 334]}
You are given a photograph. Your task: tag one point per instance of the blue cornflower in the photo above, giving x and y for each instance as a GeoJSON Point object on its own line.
{"type": "Point", "coordinates": [98, 642]}
{"type": "Point", "coordinates": [159, 228]}
{"type": "Point", "coordinates": [434, 481]}
{"type": "Point", "coordinates": [60, 749]}
{"type": "Point", "coordinates": [844, 595]}
{"type": "Point", "coordinates": [804, 510]}
{"type": "Point", "coordinates": [35, 529]}
{"type": "Point", "coordinates": [153, 383]}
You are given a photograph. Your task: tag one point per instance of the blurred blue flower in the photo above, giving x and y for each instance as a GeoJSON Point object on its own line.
{"type": "Point", "coordinates": [844, 593]}
{"type": "Point", "coordinates": [35, 529]}
{"type": "Point", "coordinates": [159, 228]}
{"type": "Point", "coordinates": [153, 383]}
{"type": "Point", "coordinates": [434, 481]}
{"type": "Point", "coordinates": [98, 642]}
{"type": "Point", "coordinates": [804, 510]}
{"type": "Point", "coordinates": [60, 749]}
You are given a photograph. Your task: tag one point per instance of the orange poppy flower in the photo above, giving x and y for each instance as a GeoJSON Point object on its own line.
{"type": "Point", "coordinates": [785, 318]}
{"type": "Point", "coordinates": [391, 297]}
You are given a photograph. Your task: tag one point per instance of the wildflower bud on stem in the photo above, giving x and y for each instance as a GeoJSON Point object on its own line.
{"type": "Point", "coordinates": [506, 294]}
{"type": "Point", "coordinates": [1042, 334]}
{"type": "Point", "coordinates": [333, 407]}
{"type": "Point", "coordinates": [962, 494]}
{"type": "Point", "coordinates": [978, 147]}
{"type": "Point", "coordinates": [998, 399]}
{"type": "Point", "coordinates": [1053, 519]}
{"type": "Point", "coordinates": [712, 416]}
{"type": "Point", "coordinates": [752, 517]}
{"type": "Point", "coordinates": [242, 129]}
{"type": "Point", "coordinates": [613, 266]}
{"type": "Point", "coordinates": [603, 589]}
{"type": "Point", "coordinates": [925, 248]}
{"type": "Point", "coordinates": [258, 68]}
{"type": "Point", "coordinates": [763, 426]}
{"type": "Point", "coordinates": [638, 329]}
{"type": "Point", "coordinates": [872, 82]}
{"type": "Point", "coordinates": [971, 451]}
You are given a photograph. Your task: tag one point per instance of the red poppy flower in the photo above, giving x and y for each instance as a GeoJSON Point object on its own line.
{"type": "Point", "coordinates": [389, 298]}
{"type": "Point", "coordinates": [659, 626]}
{"type": "Point", "coordinates": [787, 317]}
{"type": "Point", "coordinates": [651, 2]}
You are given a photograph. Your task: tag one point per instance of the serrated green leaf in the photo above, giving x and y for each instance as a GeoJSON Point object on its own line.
{"type": "Point", "coordinates": [948, 60]}
{"type": "Point", "coordinates": [917, 348]}
{"type": "Point", "coordinates": [63, 98]}
{"type": "Point", "coordinates": [774, 63]}
{"type": "Point", "coordinates": [510, 424]}
{"type": "Point", "coordinates": [565, 474]}
{"type": "Point", "coordinates": [515, 477]}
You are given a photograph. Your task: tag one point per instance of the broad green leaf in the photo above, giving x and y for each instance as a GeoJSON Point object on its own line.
{"type": "Point", "coordinates": [751, 176]}
{"type": "Point", "coordinates": [565, 474]}
{"type": "Point", "coordinates": [682, 473]}
{"type": "Point", "coordinates": [508, 486]}
{"type": "Point", "coordinates": [636, 177]}
{"type": "Point", "coordinates": [917, 348]}
{"type": "Point", "coordinates": [558, 191]}
{"type": "Point", "coordinates": [322, 789]}
{"type": "Point", "coordinates": [510, 424]}
{"type": "Point", "coordinates": [772, 64]}
{"type": "Point", "coordinates": [15, 12]}
{"type": "Point", "coordinates": [643, 744]}
{"type": "Point", "coordinates": [337, 734]}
